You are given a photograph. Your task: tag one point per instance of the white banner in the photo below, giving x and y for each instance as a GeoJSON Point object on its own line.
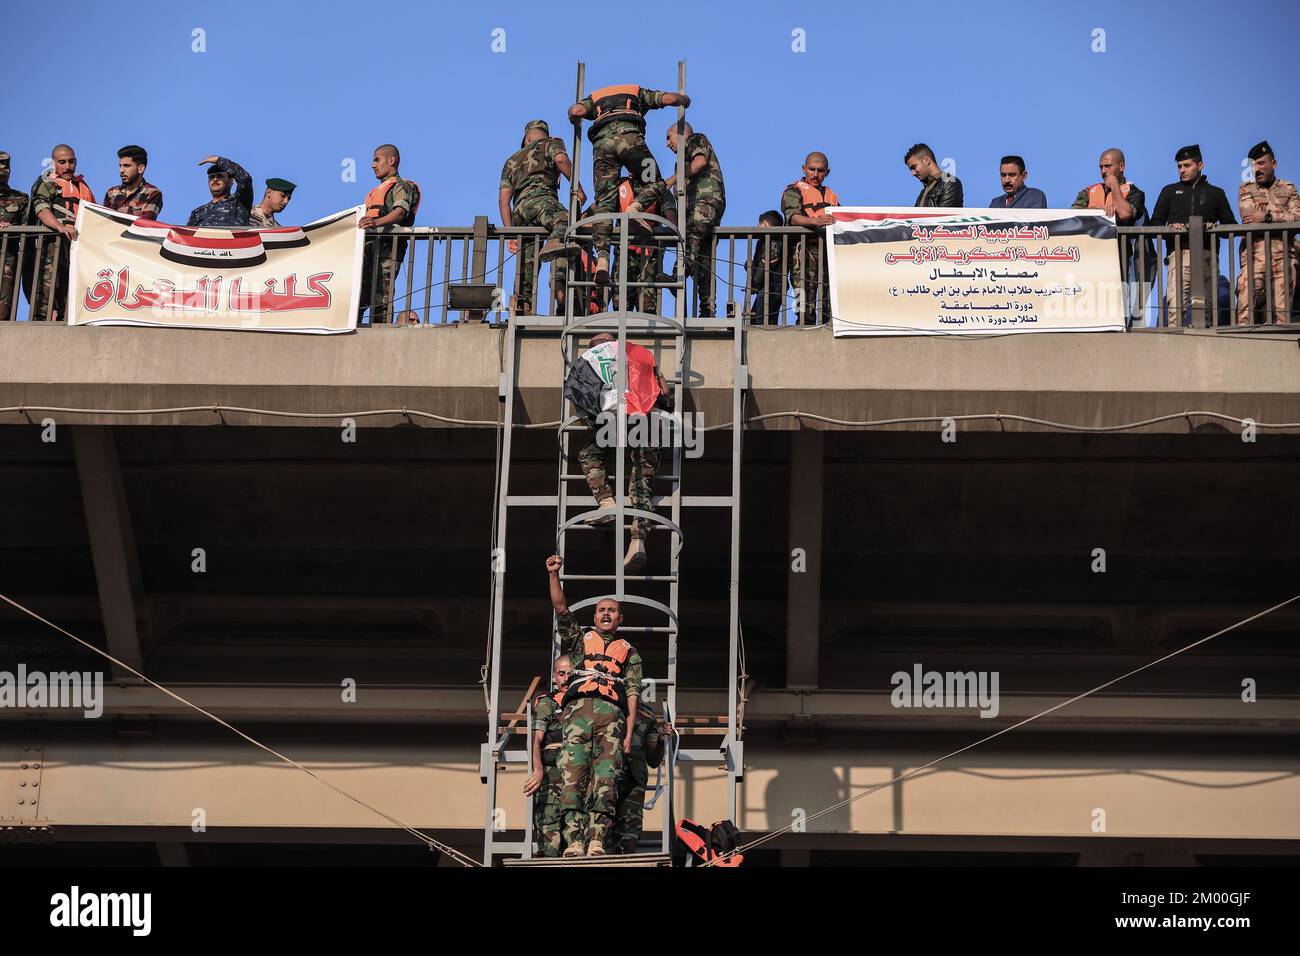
{"type": "Point", "coordinates": [127, 271]}
{"type": "Point", "coordinates": [907, 271]}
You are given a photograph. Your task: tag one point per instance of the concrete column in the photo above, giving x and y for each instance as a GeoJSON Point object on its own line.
{"type": "Point", "coordinates": [112, 542]}
{"type": "Point", "coordinates": [804, 588]}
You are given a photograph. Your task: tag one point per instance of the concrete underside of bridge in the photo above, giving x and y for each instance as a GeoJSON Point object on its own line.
{"type": "Point", "coordinates": [326, 560]}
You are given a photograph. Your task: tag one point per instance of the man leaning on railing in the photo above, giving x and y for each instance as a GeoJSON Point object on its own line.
{"type": "Point", "coordinates": [1266, 200]}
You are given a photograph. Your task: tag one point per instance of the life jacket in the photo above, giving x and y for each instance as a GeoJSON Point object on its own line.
{"type": "Point", "coordinates": [626, 196]}
{"type": "Point", "coordinates": [814, 200]}
{"type": "Point", "coordinates": [376, 197]}
{"type": "Point", "coordinates": [589, 293]}
{"type": "Point", "coordinates": [73, 192]}
{"type": "Point", "coordinates": [1098, 198]}
{"type": "Point", "coordinates": [711, 843]}
{"type": "Point", "coordinates": [601, 673]}
{"type": "Point", "coordinates": [620, 102]}
{"type": "Point", "coordinates": [554, 737]}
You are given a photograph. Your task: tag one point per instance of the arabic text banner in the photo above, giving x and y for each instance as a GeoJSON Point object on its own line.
{"type": "Point", "coordinates": [896, 271]}
{"type": "Point", "coordinates": [127, 271]}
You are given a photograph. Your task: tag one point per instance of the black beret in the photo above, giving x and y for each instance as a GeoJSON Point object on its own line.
{"type": "Point", "coordinates": [1188, 152]}
{"type": "Point", "coordinates": [1260, 149]}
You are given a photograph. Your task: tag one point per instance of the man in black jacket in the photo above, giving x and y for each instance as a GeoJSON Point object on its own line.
{"type": "Point", "coordinates": [937, 188]}
{"type": "Point", "coordinates": [1178, 202]}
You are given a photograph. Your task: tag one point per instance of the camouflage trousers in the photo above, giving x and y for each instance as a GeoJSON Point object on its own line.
{"type": "Point", "coordinates": [377, 282]}
{"type": "Point", "coordinates": [628, 816]}
{"type": "Point", "coordinates": [45, 279]}
{"type": "Point", "coordinates": [547, 821]}
{"type": "Point", "coordinates": [642, 266]}
{"type": "Point", "coordinates": [589, 767]}
{"type": "Point", "coordinates": [539, 209]}
{"type": "Point", "coordinates": [1184, 305]}
{"type": "Point", "coordinates": [1278, 272]}
{"type": "Point", "coordinates": [8, 286]}
{"type": "Point", "coordinates": [803, 278]}
{"type": "Point", "coordinates": [617, 146]}
{"type": "Point", "coordinates": [701, 219]}
{"type": "Point", "coordinates": [597, 463]}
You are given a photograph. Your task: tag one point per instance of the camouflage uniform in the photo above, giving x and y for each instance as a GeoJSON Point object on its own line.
{"type": "Point", "coordinates": [546, 801]}
{"type": "Point", "coordinates": [633, 781]}
{"type": "Point", "coordinates": [391, 250]}
{"type": "Point", "coordinates": [143, 202]}
{"type": "Point", "coordinates": [643, 463]}
{"type": "Point", "coordinates": [262, 220]}
{"type": "Point", "coordinates": [706, 201]}
{"type": "Point", "coordinates": [533, 179]}
{"type": "Point", "coordinates": [1281, 200]}
{"type": "Point", "coordinates": [618, 143]}
{"type": "Point", "coordinates": [809, 264]}
{"type": "Point", "coordinates": [13, 212]}
{"type": "Point", "coordinates": [231, 212]}
{"type": "Point", "coordinates": [592, 756]}
{"type": "Point", "coordinates": [51, 273]}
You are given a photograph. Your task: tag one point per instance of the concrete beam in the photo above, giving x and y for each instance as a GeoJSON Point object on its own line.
{"type": "Point", "coordinates": [453, 371]}
{"type": "Point", "coordinates": [112, 542]}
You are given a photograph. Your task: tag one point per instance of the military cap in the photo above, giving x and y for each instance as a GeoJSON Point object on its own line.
{"type": "Point", "coordinates": [4, 158]}
{"type": "Point", "coordinates": [215, 170]}
{"type": "Point", "coordinates": [283, 185]}
{"type": "Point", "coordinates": [1188, 152]}
{"type": "Point", "coordinates": [534, 124]}
{"type": "Point", "coordinates": [1260, 149]}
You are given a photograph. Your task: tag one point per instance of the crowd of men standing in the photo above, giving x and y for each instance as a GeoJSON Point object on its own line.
{"type": "Point", "coordinates": [529, 196]}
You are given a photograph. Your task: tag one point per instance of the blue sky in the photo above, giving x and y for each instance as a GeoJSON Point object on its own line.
{"type": "Point", "coordinates": [294, 89]}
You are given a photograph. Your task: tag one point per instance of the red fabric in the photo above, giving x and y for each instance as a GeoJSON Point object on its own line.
{"type": "Point", "coordinates": [642, 385]}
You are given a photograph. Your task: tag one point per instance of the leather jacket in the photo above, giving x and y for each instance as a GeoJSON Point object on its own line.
{"type": "Point", "coordinates": [946, 192]}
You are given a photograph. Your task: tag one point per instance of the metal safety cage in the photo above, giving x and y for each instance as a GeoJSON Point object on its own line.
{"type": "Point", "coordinates": [656, 594]}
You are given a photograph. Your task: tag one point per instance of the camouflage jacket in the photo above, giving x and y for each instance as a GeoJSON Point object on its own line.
{"type": "Point", "coordinates": [571, 644]}
{"type": "Point", "coordinates": [261, 220]}
{"type": "Point", "coordinates": [533, 169]}
{"type": "Point", "coordinates": [645, 738]}
{"type": "Point", "coordinates": [1278, 198]}
{"type": "Point", "coordinates": [143, 202]}
{"type": "Point", "coordinates": [13, 207]}
{"type": "Point", "coordinates": [708, 184]}
{"type": "Point", "coordinates": [546, 718]}
{"type": "Point", "coordinates": [47, 194]}
{"type": "Point", "coordinates": [231, 211]}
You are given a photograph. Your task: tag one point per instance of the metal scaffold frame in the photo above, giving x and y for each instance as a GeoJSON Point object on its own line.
{"type": "Point", "coordinates": [625, 322]}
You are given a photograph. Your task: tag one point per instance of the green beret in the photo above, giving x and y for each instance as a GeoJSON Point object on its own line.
{"type": "Point", "coordinates": [4, 158]}
{"type": "Point", "coordinates": [282, 185]}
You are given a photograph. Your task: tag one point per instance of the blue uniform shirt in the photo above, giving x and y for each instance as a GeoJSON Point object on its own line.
{"type": "Point", "coordinates": [233, 210]}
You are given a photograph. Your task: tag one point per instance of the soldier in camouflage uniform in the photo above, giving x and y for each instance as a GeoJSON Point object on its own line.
{"type": "Point", "coordinates": [617, 137]}
{"type": "Point", "coordinates": [1266, 199]}
{"type": "Point", "coordinates": [544, 783]}
{"type": "Point", "coordinates": [275, 200]}
{"type": "Point", "coordinates": [804, 203]}
{"type": "Point", "coordinates": [603, 688]}
{"type": "Point", "coordinates": [647, 751]}
{"type": "Point", "coordinates": [13, 212]}
{"type": "Point", "coordinates": [56, 196]}
{"type": "Point", "coordinates": [706, 201]}
{"type": "Point", "coordinates": [597, 462]}
{"type": "Point", "coordinates": [530, 182]}
{"type": "Point", "coordinates": [394, 202]}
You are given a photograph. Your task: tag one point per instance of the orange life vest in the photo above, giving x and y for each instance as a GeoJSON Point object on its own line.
{"type": "Point", "coordinates": [1098, 198]}
{"type": "Point", "coordinates": [620, 102]}
{"type": "Point", "coordinates": [601, 674]}
{"type": "Point", "coordinates": [376, 197]}
{"type": "Point", "coordinates": [74, 192]}
{"type": "Point", "coordinates": [699, 840]}
{"type": "Point", "coordinates": [814, 200]}
{"type": "Point", "coordinates": [626, 195]}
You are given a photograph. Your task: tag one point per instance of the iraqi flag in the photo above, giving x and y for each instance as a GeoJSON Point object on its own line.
{"type": "Point", "coordinates": [590, 384]}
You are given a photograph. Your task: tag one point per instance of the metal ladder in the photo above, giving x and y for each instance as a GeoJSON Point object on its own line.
{"type": "Point", "coordinates": [635, 589]}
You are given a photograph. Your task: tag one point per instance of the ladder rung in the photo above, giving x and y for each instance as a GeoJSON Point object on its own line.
{"type": "Point", "coordinates": [614, 577]}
